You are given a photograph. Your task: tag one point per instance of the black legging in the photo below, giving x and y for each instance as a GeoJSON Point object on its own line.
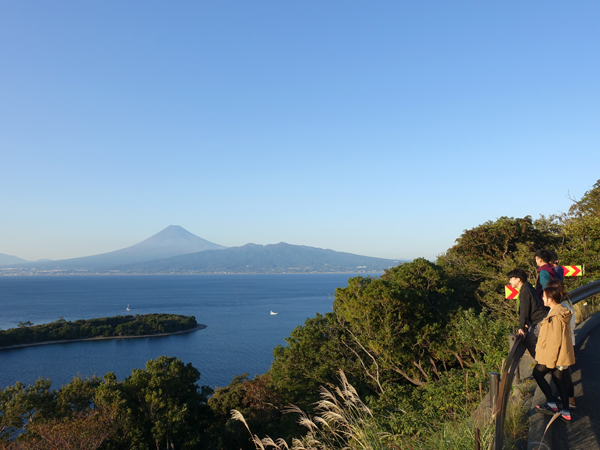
{"type": "Point", "coordinates": [570, 387]}
{"type": "Point", "coordinates": [559, 377]}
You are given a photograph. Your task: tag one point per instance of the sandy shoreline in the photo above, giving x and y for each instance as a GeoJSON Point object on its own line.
{"type": "Point", "coordinates": [102, 338]}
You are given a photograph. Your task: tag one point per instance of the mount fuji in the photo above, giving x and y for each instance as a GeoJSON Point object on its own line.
{"type": "Point", "coordinates": [172, 241]}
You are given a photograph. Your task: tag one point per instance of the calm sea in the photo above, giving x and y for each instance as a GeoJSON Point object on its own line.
{"type": "Point", "coordinates": [239, 337]}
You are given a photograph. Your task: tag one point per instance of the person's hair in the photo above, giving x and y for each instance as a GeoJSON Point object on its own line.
{"type": "Point", "coordinates": [553, 256]}
{"type": "Point", "coordinates": [563, 292]}
{"type": "Point", "coordinates": [557, 284]}
{"type": "Point", "coordinates": [518, 273]}
{"type": "Point", "coordinates": [544, 255]}
{"type": "Point", "coordinates": [554, 294]}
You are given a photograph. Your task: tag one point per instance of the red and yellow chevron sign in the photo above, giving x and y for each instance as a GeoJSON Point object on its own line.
{"type": "Point", "coordinates": [511, 292]}
{"type": "Point", "coordinates": [573, 271]}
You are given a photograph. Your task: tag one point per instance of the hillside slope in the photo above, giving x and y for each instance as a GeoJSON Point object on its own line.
{"type": "Point", "coordinates": [273, 258]}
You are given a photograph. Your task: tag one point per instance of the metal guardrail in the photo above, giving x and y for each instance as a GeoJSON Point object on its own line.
{"type": "Point", "coordinates": [514, 358]}
{"type": "Point", "coordinates": [506, 381]}
{"type": "Point", "coordinates": [583, 292]}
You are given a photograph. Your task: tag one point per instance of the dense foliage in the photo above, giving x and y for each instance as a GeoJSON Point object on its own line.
{"type": "Point", "coordinates": [579, 230]}
{"type": "Point", "coordinates": [119, 326]}
{"type": "Point", "coordinates": [159, 407]}
{"type": "Point", "coordinates": [484, 255]}
{"type": "Point", "coordinates": [414, 348]}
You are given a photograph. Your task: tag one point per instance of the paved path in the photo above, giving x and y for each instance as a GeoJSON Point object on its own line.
{"type": "Point", "coordinates": [584, 431]}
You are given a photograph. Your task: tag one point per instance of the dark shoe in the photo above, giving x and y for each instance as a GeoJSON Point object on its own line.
{"type": "Point", "coordinates": [546, 409]}
{"type": "Point", "coordinates": [572, 406]}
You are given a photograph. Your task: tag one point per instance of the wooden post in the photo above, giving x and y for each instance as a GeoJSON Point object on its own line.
{"type": "Point", "coordinates": [494, 388]}
{"type": "Point", "coordinates": [511, 342]}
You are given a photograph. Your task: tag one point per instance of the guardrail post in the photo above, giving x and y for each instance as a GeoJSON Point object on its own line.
{"type": "Point", "coordinates": [512, 338]}
{"type": "Point", "coordinates": [494, 388]}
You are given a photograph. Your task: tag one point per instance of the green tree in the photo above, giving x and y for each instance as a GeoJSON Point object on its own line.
{"type": "Point", "coordinates": [161, 406]}
{"type": "Point", "coordinates": [76, 396]}
{"type": "Point", "coordinates": [581, 227]}
{"type": "Point", "coordinates": [260, 404]}
{"type": "Point", "coordinates": [312, 357]}
{"type": "Point", "coordinates": [482, 257]}
{"type": "Point", "coordinates": [396, 319]}
{"type": "Point", "coordinates": [19, 404]}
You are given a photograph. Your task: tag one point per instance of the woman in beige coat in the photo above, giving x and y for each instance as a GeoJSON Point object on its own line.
{"type": "Point", "coordinates": [554, 353]}
{"type": "Point", "coordinates": [566, 302]}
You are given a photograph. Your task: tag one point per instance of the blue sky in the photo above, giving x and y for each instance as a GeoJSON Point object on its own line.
{"type": "Point", "coordinates": [378, 128]}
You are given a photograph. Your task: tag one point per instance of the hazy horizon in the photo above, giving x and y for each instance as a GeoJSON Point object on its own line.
{"type": "Point", "coordinates": [169, 226]}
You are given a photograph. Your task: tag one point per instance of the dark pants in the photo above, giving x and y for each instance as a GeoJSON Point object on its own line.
{"type": "Point", "coordinates": [560, 378]}
{"type": "Point", "coordinates": [570, 388]}
{"type": "Point", "coordinates": [531, 339]}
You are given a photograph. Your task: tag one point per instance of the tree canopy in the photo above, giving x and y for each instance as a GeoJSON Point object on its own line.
{"type": "Point", "coordinates": [118, 326]}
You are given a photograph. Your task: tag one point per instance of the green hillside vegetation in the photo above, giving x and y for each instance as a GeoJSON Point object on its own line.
{"type": "Point", "coordinates": [401, 362]}
{"type": "Point", "coordinates": [119, 326]}
{"type": "Point", "coordinates": [273, 258]}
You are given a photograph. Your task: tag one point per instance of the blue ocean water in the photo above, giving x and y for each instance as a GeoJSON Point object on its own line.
{"type": "Point", "coordinates": [239, 337]}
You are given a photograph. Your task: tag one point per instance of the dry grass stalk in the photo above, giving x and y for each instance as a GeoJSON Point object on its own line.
{"type": "Point", "coordinates": [342, 421]}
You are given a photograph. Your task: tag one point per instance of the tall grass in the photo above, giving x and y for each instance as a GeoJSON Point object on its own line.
{"type": "Point", "coordinates": [344, 422]}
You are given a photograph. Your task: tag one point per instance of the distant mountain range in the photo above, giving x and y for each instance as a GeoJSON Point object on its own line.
{"type": "Point", "coordinates": [175, 250]}
{"type": "Point", "coordinates": [172, 241]}
{"type": "Point", "coordinates": [6, 260]}
{"type": "Point", "coordinates": [9, 259]}
{"type": "Point", "coordinates": [273, 258]}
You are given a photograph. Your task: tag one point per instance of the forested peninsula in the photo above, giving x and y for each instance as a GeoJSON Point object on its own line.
{"type": "Point", "coordinates": [140, 325]}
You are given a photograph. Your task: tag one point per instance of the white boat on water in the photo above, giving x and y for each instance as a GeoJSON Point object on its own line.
{"type": "Point", "coordinates": [274, 313]}
{"type": "Point", "coordinates": [128, 308]}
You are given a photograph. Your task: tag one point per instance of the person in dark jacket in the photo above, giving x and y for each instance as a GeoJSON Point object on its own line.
{"type": "Point", "coordinates": [558, 269]}
{"type": "Point", "coordinates": [546, 272]}
{"type": "Point", "coordinates": [531, 309]}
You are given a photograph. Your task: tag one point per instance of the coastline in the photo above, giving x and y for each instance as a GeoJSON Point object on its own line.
{"type": "Point", "coordinates": [103, 338]}
{"type": "Point", "coordinates": [104, 274]}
